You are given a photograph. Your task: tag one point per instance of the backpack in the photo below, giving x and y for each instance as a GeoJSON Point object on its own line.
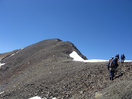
{"type": "Point", "coordinates": [117, 56]}
{"type": "Point", "coordinates": [112, 65]}
{"type": "Point", "coordinates": [123, 57]}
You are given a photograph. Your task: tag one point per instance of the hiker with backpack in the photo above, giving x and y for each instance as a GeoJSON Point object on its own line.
{"type": "Point", "coordinates": [122, 58]}
{"type": "Point", "coordinates": [109, 62]}
{"type": "Point", "coordinates": [117, 55]}
{"type": "Point", "coordinates": [112, 66]}
{"type": "Point", "coordinates": [115, 62]}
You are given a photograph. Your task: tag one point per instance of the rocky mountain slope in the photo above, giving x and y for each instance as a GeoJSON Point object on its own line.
{"type": "Point", "coordinates": [5, 55]}
{"type": "Point", "coordinates": [45, 69]}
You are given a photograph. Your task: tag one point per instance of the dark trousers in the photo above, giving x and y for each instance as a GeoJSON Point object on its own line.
{"type": "Point", "coordinates": [122, 61]}
{"type": "Point", "coordinates": [111, 74]}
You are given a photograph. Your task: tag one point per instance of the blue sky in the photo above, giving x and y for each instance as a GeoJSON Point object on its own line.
{"type": "Point", "coordinates": [99, 28]}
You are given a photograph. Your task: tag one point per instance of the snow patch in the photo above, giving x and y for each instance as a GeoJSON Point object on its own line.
{"type": "Point", "coordinates": [16, 52]}
{"type": "Point", "coordinates": [1, 64]}
{"type": "Point", "coordinates": [128, 61]}
{"type": "Point", "coordinates": [96, 60]}
{"type": "Point", "coordinates": [12, 54]}
{"type": "Point", "coordinates": [76, 57]}
{"type": "Point", "coordinates": [1, 92]}
{"type": "Point", "coordinates": [36, 97]}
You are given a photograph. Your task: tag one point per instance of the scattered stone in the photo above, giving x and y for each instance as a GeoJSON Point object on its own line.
{"type": "Point", "coordinates": [97, 95]}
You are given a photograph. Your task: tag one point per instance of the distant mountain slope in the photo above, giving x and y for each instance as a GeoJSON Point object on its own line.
{"type": "Point", "coordinates": [5, 55]}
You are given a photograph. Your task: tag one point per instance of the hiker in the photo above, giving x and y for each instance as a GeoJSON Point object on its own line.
{"type": "Point", "coordinates": [115, 62]}
{"type": "Point", "coordinates": [109, 62]}
{"type": "Point", "coordinates": [112, 66]}
{"type": "Point", "coordinates": [111, 69]}
{"type": "Point", "coordinates": [122, 58]}
{"type": "Point", "coordinates": [117, 55]}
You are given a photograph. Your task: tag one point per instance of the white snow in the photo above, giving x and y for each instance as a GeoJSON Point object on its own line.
{"type": "Point", "coordinates": [128, 61]}
{"type": "Point", "coordinates": [1, 64]}
{"type": "Point", "coordinates": [54, 98]}
{"type": "Point", "coordinates": [36, 97]}
{"type": "Point", "coordinates": [16, 52]}
{"type": "Point", "coordinates": [95, 60]}
{"type": "Point", "coordinates": [1, 92]}
{"type": "Point", "coordinates": [76, 57]}
{"type": "Point", "coordinates": [12, 54]}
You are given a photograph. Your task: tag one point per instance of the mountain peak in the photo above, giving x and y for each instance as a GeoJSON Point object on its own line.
{"type": "Point", "coordinates": [46, 51]}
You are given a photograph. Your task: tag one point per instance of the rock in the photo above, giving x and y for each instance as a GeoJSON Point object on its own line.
{"type": "Point", "coordinates": [97, 95]}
